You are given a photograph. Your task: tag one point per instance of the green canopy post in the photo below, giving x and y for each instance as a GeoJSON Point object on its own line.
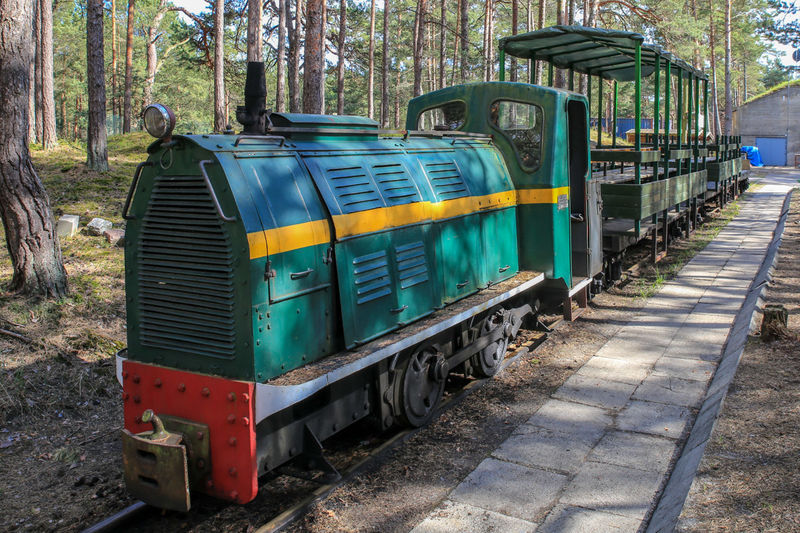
{"type": "Point", "coordinates": [600, 112]}
{"type": "Point", "coordinates": [656, 109]}
{"type": "Point", "coordinates": [614, 126]}
{"type": "Point", "coordinates": [689, 103]}
{"type": "Point", "coordinates": [705, 113]}
{"type": "Point", "coordinates": [550, 74]}
{"type": "Point", "coordinates": [679, 116]}
{"type": "Point", "coordinates": [502, 64]}
{"type": "Point", "coordinates": [637, 96]}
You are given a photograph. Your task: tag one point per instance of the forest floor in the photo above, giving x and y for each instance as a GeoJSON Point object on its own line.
{"type": "Point", "coordinates": [61, 411]}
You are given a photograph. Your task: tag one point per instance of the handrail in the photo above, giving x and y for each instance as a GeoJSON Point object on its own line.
{"type": "Point", "coordinates": [136, 175]}
{"type": "Point", "coordinates": [211, 191]}
{"type": "Point", "coordinates": [261, 137]}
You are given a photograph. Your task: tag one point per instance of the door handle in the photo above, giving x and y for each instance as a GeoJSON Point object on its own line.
{"type": "Point", "coordinates": [303, 274]}
{"type": "Point", "coordinates": [503, 269]}
{"type": "Point", "coordinates": [576, 217]}
{"type": "Point", "coordinates": [462, 284]}
{"type": "Point", "coordinates": [398, 309]}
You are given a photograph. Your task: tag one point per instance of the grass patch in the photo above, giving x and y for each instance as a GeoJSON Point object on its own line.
{"type": "Point", "coordinates": [653, 276]}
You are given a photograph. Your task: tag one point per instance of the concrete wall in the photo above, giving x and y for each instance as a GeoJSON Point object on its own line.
{"type": "Point", "coordinates": [773, 115]}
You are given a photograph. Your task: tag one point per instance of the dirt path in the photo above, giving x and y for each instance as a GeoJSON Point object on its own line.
{"type": "Point", "coordinates": [59, 420]}
{"type": "Point", "coordinates": [749, 478]}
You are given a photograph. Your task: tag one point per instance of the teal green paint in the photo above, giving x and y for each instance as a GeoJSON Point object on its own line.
{"type": "Point", "coordinates": [657, 110]}
{"type": "Point", "coordinates": [550, 74]}
{"type": "Point", "coordinates": [538, 248]}
{"type": "Point", "coordinates": [502, 64]}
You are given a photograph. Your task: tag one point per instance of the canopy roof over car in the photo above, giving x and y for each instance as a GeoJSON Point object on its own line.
{"type": "Point", "coordinates": [610, 54]}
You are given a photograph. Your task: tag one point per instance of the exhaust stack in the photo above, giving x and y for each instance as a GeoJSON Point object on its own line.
{"type": "Point", "coordinates": [253, 114]}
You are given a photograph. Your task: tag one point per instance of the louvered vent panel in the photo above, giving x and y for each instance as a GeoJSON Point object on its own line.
{"type": "Point", "coordinates": [411, 265]}
{"type": "Point", "coordinates": [354, 189]}
{"type": "Point", "coordinates": [446, 180]}
{"type": "Point", "coordinates": [186, 295]}
{"type": "Point", "coordinates": [395, 184]}
{"type": "Point", "coordinates": [371, 277]}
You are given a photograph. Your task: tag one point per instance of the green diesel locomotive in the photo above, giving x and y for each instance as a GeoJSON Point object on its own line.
{"type": "Point", "coordinates": [311, 271]}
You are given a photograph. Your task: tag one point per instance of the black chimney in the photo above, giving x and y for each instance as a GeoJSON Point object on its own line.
{"type": "Point", "coordinates": [253, 114]}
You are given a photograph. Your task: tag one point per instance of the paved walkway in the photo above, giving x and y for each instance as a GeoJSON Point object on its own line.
{"type": "Point", "coordinates": [598, 454]}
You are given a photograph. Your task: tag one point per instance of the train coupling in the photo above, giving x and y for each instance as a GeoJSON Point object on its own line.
{"type": "Point", "coordinates": [162, 465]}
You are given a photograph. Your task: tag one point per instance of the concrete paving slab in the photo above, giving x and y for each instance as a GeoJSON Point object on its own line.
{"type": "Point", "coordinates": [452, 516]}
{"type": "Point", "coordinates": [653, 418]}
{"type": "Point", "coordinates": [614, 489]}
{"type": "Point", "coordinates": [545, 448]}
{"type": "Point", "coordinates": [510, 489]}
{"type": "Point", "coordinates": [569, 417]}
{"type": "Point", "coordinates": [697, 370]}
{"type": "Point", "coordinates": [614, 369]}
{"type": "Point", "coordinates": [665, 388]}
{"type": "Point", "coordinates": [569, 519]}
{"type": "Point", "coordinates": [632, 350]}
{"type": "Point", "coordinates": [595, 391]}
{"type": "Point", "coordinates": [634, 450]}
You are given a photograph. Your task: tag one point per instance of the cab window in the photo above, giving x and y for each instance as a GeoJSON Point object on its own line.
{"type": "Point", "coordinates": [522, 124]}
{"type": "Point", "coordinates": [447, 117]}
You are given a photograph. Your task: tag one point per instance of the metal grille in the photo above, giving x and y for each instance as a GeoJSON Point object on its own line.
{"type": "Point", "coordinates": [412, 267]}
{"type": "Point", "coordinates": [371, 277]}
{"type": "Point", "coordinates": [186, 294]}
{"type": "Point", "coordinates": [446, 180]}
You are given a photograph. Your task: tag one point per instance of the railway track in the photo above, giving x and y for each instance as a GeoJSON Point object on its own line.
{"type": "Point", "coordinates": [290, 515]}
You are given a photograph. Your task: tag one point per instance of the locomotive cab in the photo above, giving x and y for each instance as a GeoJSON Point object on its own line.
{"type": "Point", "coordinates": [542, 134]}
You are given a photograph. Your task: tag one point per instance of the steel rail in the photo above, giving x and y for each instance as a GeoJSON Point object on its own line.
{"type": "Point", "coordinates": [296, 511]}
{"type": "Point", "coordinates": [113, 522]}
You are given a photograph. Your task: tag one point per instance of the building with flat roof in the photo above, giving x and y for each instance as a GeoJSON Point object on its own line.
{"type": "Point", "coordinates": [771, 122]}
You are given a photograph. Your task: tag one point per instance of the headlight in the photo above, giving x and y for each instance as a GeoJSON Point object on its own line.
{"type": "Point", "coordinates": [159, 120]}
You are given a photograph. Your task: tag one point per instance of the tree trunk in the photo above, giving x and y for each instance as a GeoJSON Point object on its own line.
{"type": "Point", "coordinates": [561, 18]}
{"type": "Point", "coordinates": [220, 118]}
{"type": "Point", "coordinates": [64, 119]}
{"type": "Point", "coordinates": [48, 98]}
{"type": "Point", "coordinates": [728, 96]}
{"type": "Point", "coordinates": [24, 206]}
{"type": "Point", "coordinates": [712, 43]}
{"type": "Point", "coordinates": [398, 75]}
{"type": "Point", "coordinates": [295, 37]}
{"type": "Point", "coordinates": [442, 44]}
{"type": "Point", "coordinates": [592, 17]}
{"type": "Point", "coordinates": [540, 25]}
{"type": "Point", "coordinates": [255, 41]}
{"type": "Point", "coordinates": [512, 75]}
{"type": "Point", "coordinates": [96, 146]}
{"type": "Point", "coordinates": [280, 89]}
{"type": "Point", "coordinates": [340, 64]}
{"type": "Point", "coordinates": [152, 54]}
{"type": "Point", "coordinates": [313, 73]}
{"type": "Point", "coordinates": [385, 68]}
{"type": "Point", "coordinates": [113, 66]}
{"type": "Point", "coordinates": [488, 42]}
{"type": "Point", "coordinates": [39, 66]}
{"type": "Point", "coordinates": [371, 77]}
{"type": "Point", "coordinates": [464, 15]}
{"type": "Point", "coordinates": [126, 113]}
{"type": "Point", "coordinates": [418, 44]}
{"type": "Point", "coordinates": [34, 43]}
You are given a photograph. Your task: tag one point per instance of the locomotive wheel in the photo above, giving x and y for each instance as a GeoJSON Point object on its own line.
{"type": "Point", "coordinates": [421, 387]}
{"type": "Point", "coordinates": [486, 363]}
